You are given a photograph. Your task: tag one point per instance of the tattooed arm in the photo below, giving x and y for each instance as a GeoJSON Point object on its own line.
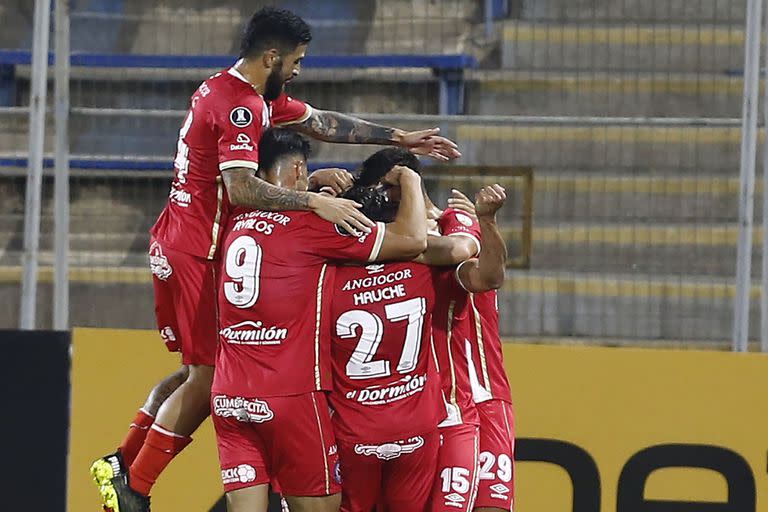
{"type": "Point", "coordinates": [246, 189]}
{"type": "Point", "coordinates": [331, 126]}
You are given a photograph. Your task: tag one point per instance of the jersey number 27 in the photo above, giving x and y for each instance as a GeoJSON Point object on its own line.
{"type": "Point", "coordinates": [362, 365]}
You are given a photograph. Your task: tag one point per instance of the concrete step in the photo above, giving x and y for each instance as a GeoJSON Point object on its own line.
{"type": "Point", "coordinates": [680, 148]}
{"type": "Point", "coordinates": [621, 94]}
{"type": "Point", "coordinates": [647, 249]}
{"type": "Point", "coordinates": [638, 11]}
{"type": "Point", "coordinates": [680, 250]}
{"type": "Point", "coordinates": [569, 195]}
{"type": "Point", "coordinates": [488, 92]}
{"type": "Point", "coordinates": [392, 26]}
{"type": "Point", "coordinates": [673, 149]}
{"type": "Point", "coordinates": [84, 248]}
{"type": "Point", "coordinates": [618, 306]}
{"type": "Point", "coordinates": [532, 304]}
{"type": "Point", "coordinates": [115, 305]}
{"type": "Point", "coordinates": [597, 47]}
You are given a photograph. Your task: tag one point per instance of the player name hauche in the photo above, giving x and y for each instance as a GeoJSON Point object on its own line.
{"type": "Point", "coordinates": [395, 290]}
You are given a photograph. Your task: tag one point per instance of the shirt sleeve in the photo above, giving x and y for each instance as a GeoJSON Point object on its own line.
{"type": "Point", "coordinates": [332, 242]}
{"type": "Point", "coordinates": [240, 125]}
{"type": "Point", "coordinates": [289, 110]}
{"type": "Point", "coordinates": [456, 223]}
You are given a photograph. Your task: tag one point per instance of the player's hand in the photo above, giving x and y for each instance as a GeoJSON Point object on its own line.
{"type": "Point", "coordinates": [459, 201]}
{"type": "Point", "coordinates": [340, 180]}
{"type": "Point", "coordinates": [395, 175]}
{"type": "Point", "coordinates": [489, 200]}
{"type": "Point", "coordinates": [342, 212]}
{"type": "Point", "coordinates": [429, 143]}
{"type": "Point", "coordinates": [328, 192]}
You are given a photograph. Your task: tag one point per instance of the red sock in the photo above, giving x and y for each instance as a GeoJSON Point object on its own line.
{"type": "Point", "coordinates": [135, 437]}
{"type": "Point", "coordinates": [160, 447]}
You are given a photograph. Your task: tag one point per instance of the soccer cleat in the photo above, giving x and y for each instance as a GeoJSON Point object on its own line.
{"type": "Point", "coordinates": [121, 498]}
{"type": "Point", "coordinates": [103, 471]}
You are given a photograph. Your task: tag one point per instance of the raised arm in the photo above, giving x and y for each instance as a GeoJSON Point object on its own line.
{"type": "Point", "coordinates": [487, 271]}
{"type": "Point", "coordinates": [447, 250]}
{"type": "Point", "coordinates": [406, 237]}
{"type": "Point", "coordinates": [244, 188]}
{"type": "Point", "coordinates": [332, 126]}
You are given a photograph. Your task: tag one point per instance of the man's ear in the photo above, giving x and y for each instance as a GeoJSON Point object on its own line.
{"type": "Point", "coordinates": [270, 57]}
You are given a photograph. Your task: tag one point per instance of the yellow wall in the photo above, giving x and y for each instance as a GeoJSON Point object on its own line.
{"type": "Point", "coordinates": [112, 373]}
{"type": "Point", "coordinates": [612, 402]}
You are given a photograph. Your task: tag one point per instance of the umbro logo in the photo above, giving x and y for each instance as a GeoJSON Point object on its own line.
{"type": "Point", "coordinates": [454, 500]}
{"type": "Point", "coordinates": [500, 491]}
{"type": "Point", "coordinates": [374, 269]}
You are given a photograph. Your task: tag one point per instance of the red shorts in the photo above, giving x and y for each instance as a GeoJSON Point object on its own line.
{"type": "Point", "coordinates": [396, 476]}
{"type": "Point", "coordinates": [455, 487]}
{"type": "Point", "coordinates": [497, 455]}
{"type": "Point", "coordinates": [185, 303]}
{"type": "Point", "coordinates": [288, 439]}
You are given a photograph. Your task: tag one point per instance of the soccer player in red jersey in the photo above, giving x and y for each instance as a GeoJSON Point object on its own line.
{"type": "Point", "coordinates": [491, 393]}
{"type": "Point", "coordinates": [386, 390]}
{"type": "Point", "coordinates": [458, 474]}
{"type": "Point", "coordinates": [268, 399]}
{"type": "Point", "coordinates": [215, 166]}
{"type": "Point", "coordinates": [489, 384]}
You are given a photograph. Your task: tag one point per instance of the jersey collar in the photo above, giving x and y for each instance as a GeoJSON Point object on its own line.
{"type": "Point", "coordinates": [235, 73]}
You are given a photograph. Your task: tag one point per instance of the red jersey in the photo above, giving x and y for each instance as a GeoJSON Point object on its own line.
{"type": "Point", "coordinates": [385, 382]}
{"type": "Point", "coordinates": [222, 129]}
{"type": "Point", "coordinates": [488, 377]}
{"type": "Point", "coordinates": [274, 336]}
{"type": "Point", "coordinates": [486, 362]}
{"type": "Point", "coordinates": [451, 331]}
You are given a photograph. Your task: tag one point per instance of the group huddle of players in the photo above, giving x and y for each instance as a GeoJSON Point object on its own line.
{"type": "Point", "coordinates": [340, 330]}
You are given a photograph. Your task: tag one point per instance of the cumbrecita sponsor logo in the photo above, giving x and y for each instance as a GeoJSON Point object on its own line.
{"type": "Point", "coordinates": [242, 409]}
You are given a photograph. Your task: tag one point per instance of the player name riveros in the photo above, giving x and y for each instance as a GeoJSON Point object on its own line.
{"type": "Point", "coordinates": [263, 222]}
{"type": "Point", "coordinates": [371, 281]}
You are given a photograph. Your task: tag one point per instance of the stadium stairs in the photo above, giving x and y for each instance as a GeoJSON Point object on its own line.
{"type": "Point", "coordinates": [634, 224]}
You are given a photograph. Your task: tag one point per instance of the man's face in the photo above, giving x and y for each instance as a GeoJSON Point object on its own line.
{"type": "Point", "coordinates": [284, 69]}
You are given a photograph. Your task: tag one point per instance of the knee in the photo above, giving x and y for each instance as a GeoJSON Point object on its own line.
{"type": "Point", "coordinates": [200, 377]}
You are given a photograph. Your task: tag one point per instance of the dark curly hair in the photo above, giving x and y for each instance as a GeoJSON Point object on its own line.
{"type": "Point", "coordinates": [279, 142]}
{"type": "Point", "coordinates": [270, 27]}
{"type": "Point", "coordinates": [376, 204]}
{"type": "Point", "coordinates": [381, 162]}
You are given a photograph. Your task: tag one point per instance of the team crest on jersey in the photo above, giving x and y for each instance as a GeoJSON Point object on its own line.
{"type": "Point", "coordinates": [242, 409]}
{"type": "Point", "coordinates": [241, 117]}
{"type": "Point", "coordinates": [389, 451]}
{"type": "Point", "coordinates": [464, 219]}
{"type": "Point", "coordinates": [158, 262]}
